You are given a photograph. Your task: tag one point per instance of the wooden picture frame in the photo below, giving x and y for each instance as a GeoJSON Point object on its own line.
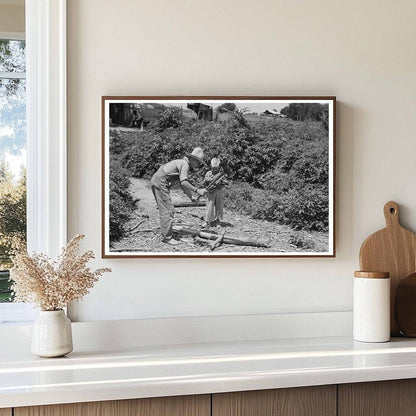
{"type": "Point", "coordinates": [275, 187]}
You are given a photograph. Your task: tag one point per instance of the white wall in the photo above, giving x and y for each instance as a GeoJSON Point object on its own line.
{"type": "Point", "coordinates": [12, 18]}
{"type": "Point", "coordinates": [361, 51]}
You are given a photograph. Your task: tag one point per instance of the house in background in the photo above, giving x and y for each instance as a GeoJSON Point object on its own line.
{"type": "Point", "coordinates": [274, 113]}
{"type": "Point", "coordinates": [203, 111]}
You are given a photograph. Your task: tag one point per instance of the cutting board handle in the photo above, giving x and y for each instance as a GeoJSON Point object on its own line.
{"type": "Point", "coordinates": [391, 214]}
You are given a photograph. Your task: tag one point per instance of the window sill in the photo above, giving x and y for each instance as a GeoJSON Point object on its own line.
{"type": "Point", "coordinates": [16, 313]}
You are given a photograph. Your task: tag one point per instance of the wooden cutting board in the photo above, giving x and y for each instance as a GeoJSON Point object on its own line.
{"type": "Point", "coordinates": [393, 250]}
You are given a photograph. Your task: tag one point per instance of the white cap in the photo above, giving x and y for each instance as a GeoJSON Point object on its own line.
{"type": "Point", "coordinates": [215, 162]}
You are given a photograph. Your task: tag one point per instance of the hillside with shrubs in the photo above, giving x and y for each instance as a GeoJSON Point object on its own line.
{"type": "Point", "coordinates": [279, 166]}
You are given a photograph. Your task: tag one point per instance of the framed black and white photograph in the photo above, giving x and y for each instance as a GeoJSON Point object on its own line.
{"type": "Point", "coordinates": [218, 176]}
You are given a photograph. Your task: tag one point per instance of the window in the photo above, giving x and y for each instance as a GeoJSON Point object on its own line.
{"type": "Point", "coordinates": [45, 86]}
{"type": "Point", "coordinates": [12, 153]}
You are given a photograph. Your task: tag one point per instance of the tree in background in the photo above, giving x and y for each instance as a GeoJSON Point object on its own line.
{"type": "Point", "coordinates": [226, 107]}
{"type": "Point", "coordinates": [307, 112]}
{"type": "Point", "coordinates": [12, 222]}
{"type": "Point", "coordinates": [12, 213]}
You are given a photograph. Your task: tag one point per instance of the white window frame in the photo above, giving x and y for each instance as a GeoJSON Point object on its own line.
{"type": "Point", "coordinates": [46, 127]}
{"type": "Point", "coordinates": [14, 312]}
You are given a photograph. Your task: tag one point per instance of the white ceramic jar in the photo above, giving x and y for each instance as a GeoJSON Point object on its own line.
{"type": "Point", "coordinates": [371, 305]}
{"type": "Point", "coordinates": [52, 334]}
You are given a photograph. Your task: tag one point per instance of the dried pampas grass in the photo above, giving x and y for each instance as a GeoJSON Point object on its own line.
{"type": "Point", "coordinates": [53, 285]}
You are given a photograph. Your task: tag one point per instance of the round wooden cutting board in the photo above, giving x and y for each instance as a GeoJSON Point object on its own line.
{"type": "Point", "coordinates": [393, 250]}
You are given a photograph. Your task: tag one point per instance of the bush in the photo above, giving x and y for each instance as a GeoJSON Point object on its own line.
{"type": "Point", "coordinates": [171, 117]}
{"type": "Point", "coordinates": [12, 214]}
{"type": "Point", "coordinates": [306, 209]}
{"type": "Point", "coordinates": [302, 209]}
{"type": "Point", "coordinates": [121, 202]}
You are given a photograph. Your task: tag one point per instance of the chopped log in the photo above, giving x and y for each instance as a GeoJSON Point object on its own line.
{"type": "Point", "coordinates": [202, 240]}
{"type": "Point", "coordinates": [140, 222]}
{"type": "Point", "coordinates": [198, 216]}
{"type": "Point", "coordinates": [238, 241]}
{"type": "Point", "coordinates": [148, 230]}
{"type": "Point", "coordinates": [214, 181]}
{"type": "Point", "coordinates": [189, 204]}
{"type": "Point", "coordinates": [217, 242]}
{"type": "Point", "coordinates": [184, 224]}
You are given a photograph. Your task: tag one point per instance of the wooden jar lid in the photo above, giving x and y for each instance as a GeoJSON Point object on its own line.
{"type": "Point", "coordinates": [372, 275]}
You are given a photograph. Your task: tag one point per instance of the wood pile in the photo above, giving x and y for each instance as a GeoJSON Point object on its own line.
{"type": "Point", "coordinates": [219, 239]}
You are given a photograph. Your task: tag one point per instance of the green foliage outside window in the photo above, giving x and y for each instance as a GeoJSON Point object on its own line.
{"type": "Point", "coordinates": [12, 223]}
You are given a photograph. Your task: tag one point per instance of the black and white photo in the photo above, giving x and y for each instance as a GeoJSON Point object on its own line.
{"type": "Point", "coordinates": [218, 176]}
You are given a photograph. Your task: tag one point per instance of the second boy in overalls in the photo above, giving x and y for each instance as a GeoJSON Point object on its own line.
{"type": "Point", "coordinates": [215, 197]}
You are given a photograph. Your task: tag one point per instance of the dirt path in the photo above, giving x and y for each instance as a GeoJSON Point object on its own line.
{"type": "Point", "coordinates": [145, 235]}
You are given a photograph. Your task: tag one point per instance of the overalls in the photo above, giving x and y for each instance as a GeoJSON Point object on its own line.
{"type": "Point", "coordinates": [215, 201]}
{"type": "Point", "coordinates": [173, 171]}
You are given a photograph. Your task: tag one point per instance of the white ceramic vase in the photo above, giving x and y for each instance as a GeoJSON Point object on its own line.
{"type": "Point", "coordinates": [52, 334]}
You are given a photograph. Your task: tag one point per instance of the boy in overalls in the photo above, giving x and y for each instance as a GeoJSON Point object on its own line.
{"type": "Point", "coordinates": [215, 197]}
